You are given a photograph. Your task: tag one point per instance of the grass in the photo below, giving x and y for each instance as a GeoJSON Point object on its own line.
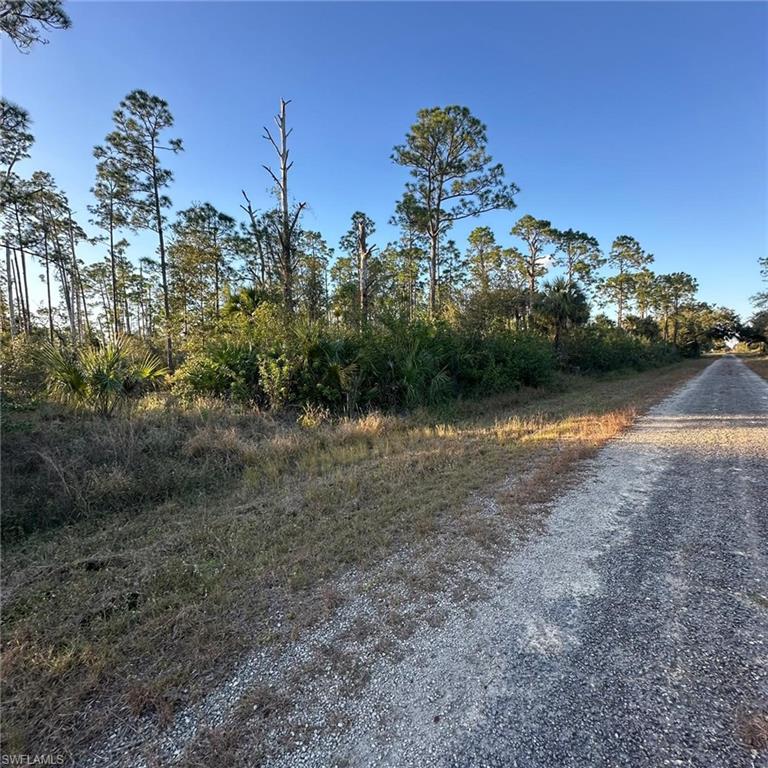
{"type": "Point", "coordinates": [758, 363]}
{"type": "Point", "coordinates": [169, 544]}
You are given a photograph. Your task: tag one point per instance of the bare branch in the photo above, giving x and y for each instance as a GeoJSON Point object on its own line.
{"type": "Point", "coordinates": [299, 208]}
{"type": "Point", "coordinates": [271, 173]}
{"type": "Point", "coordinates": [268, 137]}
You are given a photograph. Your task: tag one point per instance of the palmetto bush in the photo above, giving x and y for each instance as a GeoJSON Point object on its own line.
{"type": "Point", "coordinates": [227, 369]}
{"type": "Point", "coordinates": [100, 378]}
{"type": "Point", "coordinates": [391, 367]}
{"type": "Point", "coordinates": [593, 349]}
{"type": "Point", "coordinates": [414, 365]}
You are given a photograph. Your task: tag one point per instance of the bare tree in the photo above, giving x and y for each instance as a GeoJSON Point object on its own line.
{"type": "Point", "coordinates": [288, 220]}
{"type": "Point", "coordinates": [259, 234]}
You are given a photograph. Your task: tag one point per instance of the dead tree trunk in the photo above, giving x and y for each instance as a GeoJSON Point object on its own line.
{"type": "Point", "coordinates": [257, 237]}
{"type": "Point", "coordinates": [287, 221]}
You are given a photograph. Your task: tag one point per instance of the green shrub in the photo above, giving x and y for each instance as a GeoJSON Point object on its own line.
{"type": "Point", "coordinates": [598, 349]}
{"type": "Point", "coordinates": [400, 365]}
{"type": "Point", "coordinates": [505, 361]}
{"type": "Point", "coordinates": [277, 378]}
{"type": "Point", "coordinates": [23, 373]}
{"type": "Point", "coordinates": [228, 370]}
{"type": "Point", "coordinates": [393, 366]}
{"type": "Point", "coordinates": [99, 378]}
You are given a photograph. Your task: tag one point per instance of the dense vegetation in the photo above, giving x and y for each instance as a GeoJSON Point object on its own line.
{"type": "Point", "coordinates": [265, 312]}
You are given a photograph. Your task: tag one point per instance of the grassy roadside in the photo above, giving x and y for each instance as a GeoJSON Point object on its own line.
{"type": "Point", "coordinates": [199, 535]}
{"type": "Point", "coordinates": [759, 364]}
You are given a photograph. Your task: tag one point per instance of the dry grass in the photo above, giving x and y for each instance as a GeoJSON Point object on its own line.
{"type": "Point", "coordinates": [190, 529]}
{"type": "Point", "coordinates": [759, 364]}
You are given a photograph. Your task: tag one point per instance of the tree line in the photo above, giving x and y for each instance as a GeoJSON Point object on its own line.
{"type": "Point", "coordinates": [211, 270]}
{"type": "Point", "coordinates": [206, 259]}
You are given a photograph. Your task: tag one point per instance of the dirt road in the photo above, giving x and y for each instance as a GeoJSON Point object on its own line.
{"type": "Point", "coordinates": [634, 632]}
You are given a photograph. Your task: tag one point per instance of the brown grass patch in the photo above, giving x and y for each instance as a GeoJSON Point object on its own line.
{"type": "Point", "coordinates": [152, 699]}
{"type": "Point", "coordinates": [758, 364]}
{"type": "Point", "coordinates": [179, 532]}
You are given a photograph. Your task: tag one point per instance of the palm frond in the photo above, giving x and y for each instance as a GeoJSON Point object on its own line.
{"type": "Point", "coordinates": [100, 377]}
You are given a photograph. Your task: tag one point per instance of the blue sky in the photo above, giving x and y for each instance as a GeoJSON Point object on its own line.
{"type": "Point", "coordinates": [648, 119]}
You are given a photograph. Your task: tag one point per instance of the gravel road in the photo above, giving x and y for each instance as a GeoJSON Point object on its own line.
{"type": "Point", "coordinates": [633, 632]}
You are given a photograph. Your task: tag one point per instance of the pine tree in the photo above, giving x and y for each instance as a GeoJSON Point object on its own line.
{"type": "Point", "coordinates": [141, 121]}
{"type": "Point", "coordinates": [537, 234]}
{"type": "Point", "coordinates": [627, 257]}
{"type": "Point", "coordinates": [110, 212]}
{"type": "Point", "coordinates": [453, 177]}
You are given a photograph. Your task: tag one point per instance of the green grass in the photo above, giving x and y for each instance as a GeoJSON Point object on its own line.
{"type": "Point", "coordinates": [144, 551]}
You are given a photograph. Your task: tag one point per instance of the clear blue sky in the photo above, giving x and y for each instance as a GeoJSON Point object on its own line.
{"type": "Point", "coordinates": [646, 119]}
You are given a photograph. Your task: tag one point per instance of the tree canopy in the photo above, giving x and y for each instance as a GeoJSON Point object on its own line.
{"type": "Point", "coordinates": [26, 22]}
{"type": "Point", "coordinates": [453, 175]}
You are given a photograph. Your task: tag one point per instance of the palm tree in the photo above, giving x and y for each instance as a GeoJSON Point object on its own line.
{"type": "Point", "coordinates": [561, 306]}
{"type": "Point", "coordinates": [244, 302]}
